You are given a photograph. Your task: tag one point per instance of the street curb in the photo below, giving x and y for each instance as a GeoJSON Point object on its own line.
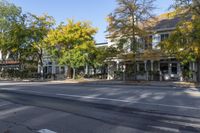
{"type": "Point", "coordinates": [106, 82]}
{"type": "Point", "coordinates": [134, 84]}
{"type": "Point", "coordinates": [128, 83]}
{"type": "Point", "coordinates": [105, 106]}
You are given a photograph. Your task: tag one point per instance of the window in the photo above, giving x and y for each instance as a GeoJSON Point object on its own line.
{"type": "Point", "coordinates": [164, 67]}
{"type": "Point", "coordinates": [155, 40]}
{"type": "Point", "coordinates": [141, 67]}
{"type": "Point", "coordinates": [141, 43]}
{"type": "Point", "coordinates": [57, 70]}
{"type": "Point", "coordinates": [62, 71]}
{"type": "Point", "coordinates": [148, 43]}
{"type": "Point", "coordinates": [174, 68]}
{"type": "Point", "coordinates": [164, 36]}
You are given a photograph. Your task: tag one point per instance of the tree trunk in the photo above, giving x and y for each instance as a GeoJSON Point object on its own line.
{"type": "Point", "coordinates": [86, 69]}
{"type": "Point", "coordinates": [69, 72]}
{"type": "Point", "coordinates": [124, 72]}
{"type": "Point", "coordinates": [94, 70]}
{"type": "Point", "coordinates": [42, 71]}
{"type": "Point", "coordinates": [74, 73]}
{"type": "Point", "coordinates": [135, 71]}
{"type": "Point", "coordinates": [41, 67]}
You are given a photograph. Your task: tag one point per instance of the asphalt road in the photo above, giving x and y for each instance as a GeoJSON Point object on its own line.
{"type": "Point", "coordinates": [170, 100]}
{"type": "Point", "coordinates": [89, 108]}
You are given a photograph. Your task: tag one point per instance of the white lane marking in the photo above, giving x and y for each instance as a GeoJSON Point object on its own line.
{"type": "Point", "coordinates": [30, 91]}
{"type": "Point", "coordinates": [9, 111]}
{"type": "Point", "coordinates": [128, 101]}
{"type": "Point", "coordinates": [116, 100]}
{"type": "Point", "coordinates": [195, 125]}
{"type": "Point", "coordinates": [45, 131]}
{"type": "Point", "coordinates": [95, 98]}
{"type": "Point", "coordinates": [168, 129]}
{"type": "Point", "coordinates": [4, 103]}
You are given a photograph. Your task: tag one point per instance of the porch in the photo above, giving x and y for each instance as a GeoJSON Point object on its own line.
{"type": "Point", "coordinates": [152, 70]}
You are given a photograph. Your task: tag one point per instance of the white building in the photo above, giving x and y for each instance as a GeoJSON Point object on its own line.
{"type": "Point", "coordinates": [154, 65]}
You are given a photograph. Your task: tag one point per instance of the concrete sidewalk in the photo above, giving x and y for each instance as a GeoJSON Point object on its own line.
{"type": "Point", "coordinates": [114, 82]}
{"type": "Point", "coordinates": [138, 83]}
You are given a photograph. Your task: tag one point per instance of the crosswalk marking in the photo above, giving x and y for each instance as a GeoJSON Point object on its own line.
{"type": "Point", "coordinates": [130, 101]}
{"type": "Point", "coordinates": [4, 103]}
{"type": "Point", "coordinates": [45, 131]}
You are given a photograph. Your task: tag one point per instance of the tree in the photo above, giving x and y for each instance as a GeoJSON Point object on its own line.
{"type": "Point", "coordinates": [127, 23]}
{"type": "Point", "coordinates": [10, 17]}
{"type": "Point", "coordinates": [184, 43]}
{"type": "Point", "coordinates": [72, 44]}
{"type": "Point", "coordinates": [101, 57]}
{"type": "Point", "coordinates": [104, 54]}
{"type": "Point", "coordinates": [188, 6]}
{"type": "Point", "coordinates": [38, 28]}
{"type": "Point", "coordinates": [22, 35]}
{"type": "Point", "coordinates": [13, 34]}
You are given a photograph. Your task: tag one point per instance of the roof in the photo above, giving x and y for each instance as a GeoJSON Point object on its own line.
{"type": "Point", "coordinates": [9, 63]}
{"type": "Point", "coordinates": [166, 24]}
{"type": "Point", "coordinates": [167, 21]}
{"type": "Point", "coordinates": [104, 43]}
{"type": "Point", "coordinates": [101, 44]}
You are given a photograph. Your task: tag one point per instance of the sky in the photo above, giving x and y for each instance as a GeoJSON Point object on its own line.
{"type": "Point", "coordinates": [94, 11]}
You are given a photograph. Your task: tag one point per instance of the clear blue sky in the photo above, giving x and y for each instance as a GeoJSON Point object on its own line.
{"type": "Point", "coordinates": [92, 10]}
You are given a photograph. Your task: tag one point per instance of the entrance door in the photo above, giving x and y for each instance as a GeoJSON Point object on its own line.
{"type": "Point", "coordinates": [164, 68]}
{"type": "Point", "coordinates": [174, 73]}
{"type": "Point", "coordinates": [174, 68]}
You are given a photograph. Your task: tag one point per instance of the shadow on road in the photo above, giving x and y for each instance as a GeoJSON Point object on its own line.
{"type": "Point", "coordinates": [137, 119]}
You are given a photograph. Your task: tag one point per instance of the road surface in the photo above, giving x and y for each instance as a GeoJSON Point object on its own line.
{"type": "Point", "coordinates": [90, 108]}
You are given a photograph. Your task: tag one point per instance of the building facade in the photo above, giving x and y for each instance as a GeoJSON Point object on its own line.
{"type": "Point", "coordinates": [153, 64]}
{"type": "Point", "coordinates": [7, 62]}
{"type": "Point", "coordinates": [51, 69]}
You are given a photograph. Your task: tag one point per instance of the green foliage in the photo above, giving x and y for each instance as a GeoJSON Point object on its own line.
{"type": "Point", "coordinates": [10, 17]}
{"type": "Point", "coordinates": [184, 43]}
{"type": "Point", "coordinates": [187, 6]}
{"type": "Point", "coordinates": [72, 44]}
{"type": "Point", "coordinates": [9, 13]}
{"type": "Point", "coordinates": [38, 28]}
{"type": "Point", "coordinates": [127, 22]}
{"type": "Point", "coordinates": [22, 35]}
{"type": "Point", "coordinates": [104, 54]}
